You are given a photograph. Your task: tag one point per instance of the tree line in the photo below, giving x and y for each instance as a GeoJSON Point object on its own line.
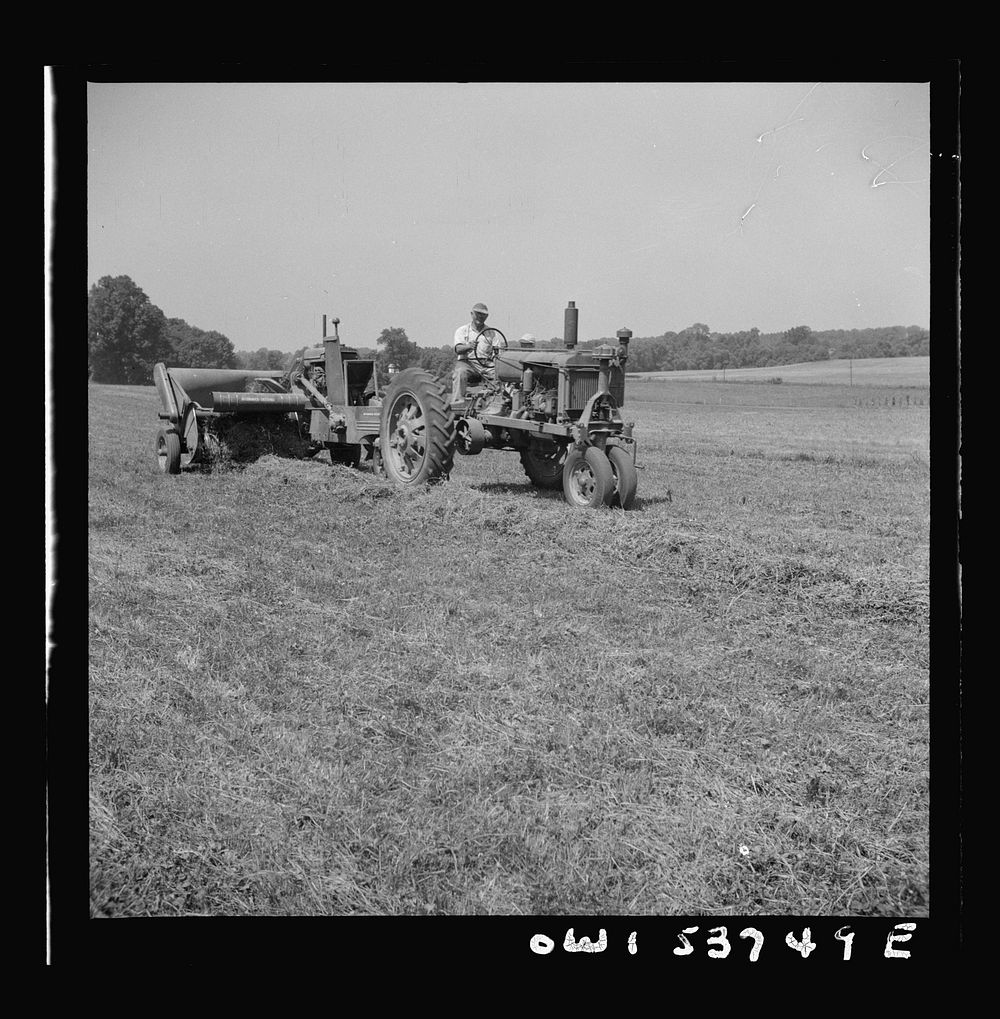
{"type": "Point", "coordinates": [698, 348]}
{"type": "Point", "coordinates": [128, 335]}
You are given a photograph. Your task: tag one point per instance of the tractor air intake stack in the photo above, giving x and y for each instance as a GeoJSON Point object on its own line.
{"type": "Point", "coordinates": [624, 335]}
{"type": "Point", "coordinates": [569, 325]}
{"type": "Point", "coordinates": [336, 322]}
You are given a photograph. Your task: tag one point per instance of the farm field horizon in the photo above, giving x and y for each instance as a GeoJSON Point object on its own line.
{"type": "Point", "coordinates": [312, 693]}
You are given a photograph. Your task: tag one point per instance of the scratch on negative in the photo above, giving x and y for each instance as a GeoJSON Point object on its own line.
{"type": "Point", "coordinates": [789, 121]}
{"type": "Point", "coordinates": [886, 169]}
{"type": "Point", "coordinates": [745, 214]}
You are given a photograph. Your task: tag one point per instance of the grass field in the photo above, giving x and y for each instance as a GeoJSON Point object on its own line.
{"type": "Point", "coordinates": [314, 694]}
{"type": "Point", "coordinates": [894, 372]}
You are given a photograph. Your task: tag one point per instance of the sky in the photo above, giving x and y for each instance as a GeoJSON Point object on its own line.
{"type": "Point", "coordinates": [254, 209]}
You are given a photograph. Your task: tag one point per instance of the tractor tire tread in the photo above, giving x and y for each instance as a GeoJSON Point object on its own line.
{"type": "Point", "coordinates": [626, 478]}
{"type": "Point", "coordinates": [540, 473]}
{"type": "Point", "coordinates": [601, 471]}
{"type": "Point", "coordinates": [439, 455]}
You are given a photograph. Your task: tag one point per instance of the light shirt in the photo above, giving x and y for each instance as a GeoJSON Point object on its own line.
{"type": "Point", "coordinates": [484, 346]}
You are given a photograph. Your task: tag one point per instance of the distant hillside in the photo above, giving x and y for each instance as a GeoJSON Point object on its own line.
{"type": "Point", "coordinates": [875, 371]}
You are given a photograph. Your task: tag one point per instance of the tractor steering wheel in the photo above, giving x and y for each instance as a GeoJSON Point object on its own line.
{"type": "Point", "coordinates": [472, 353]}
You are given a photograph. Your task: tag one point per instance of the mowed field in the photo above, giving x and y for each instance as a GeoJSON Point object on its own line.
{"type": "Point", "coordinates": [312, 693]}
{"type": "Point", "coordinates": [910, 372]}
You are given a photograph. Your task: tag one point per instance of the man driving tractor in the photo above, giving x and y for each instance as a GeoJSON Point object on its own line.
{"type": "Point", "coordinates": [476, 349]}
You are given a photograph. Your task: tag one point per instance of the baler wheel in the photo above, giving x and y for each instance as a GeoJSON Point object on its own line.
{"type": "Point", "coordinates": [588, 480]}
{"type": "Point", "coordinates": [168, 451]}
{"type": "Point", "coordinates": [626, 477]}
{"type": "Point", "coordinates": [417, 429]}
{"type": "Point", "coordinates": [544, 465]}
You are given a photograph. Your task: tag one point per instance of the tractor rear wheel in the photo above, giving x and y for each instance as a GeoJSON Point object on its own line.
{"type": "Point", "coordinates": [168, 452]}
{"type": "Point", "coordinates": [417, 429]}
{"type": "Point", "coordinates": [588, 480]}
{"type": "Point", "coordinates": [626, 477]}
{"type": "Point", "coordinates": [543, 463]}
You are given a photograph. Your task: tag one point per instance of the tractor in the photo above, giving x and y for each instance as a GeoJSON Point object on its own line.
{"type": "Point", "coordinates": [558, 407]}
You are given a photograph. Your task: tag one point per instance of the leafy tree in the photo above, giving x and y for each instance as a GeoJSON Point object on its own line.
{"type": "Point", "coordinates": [126, 333]}
{"type": "Point", "coordinates": [395, 347]}
{"type": "Point", "coordinates": [918, 342]}
{"type": "Point", "coordinates": [439, 361]}
{"type": "Point", "coordinates": [196, 348]}
{"type": "Point", "coordinates": [798, 336]}
{"type": "Point", "coordinates": [264, 359]}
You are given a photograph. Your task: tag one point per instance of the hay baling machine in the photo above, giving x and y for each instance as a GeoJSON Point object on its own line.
{"type": "Point", "coordinates": [557, 406]}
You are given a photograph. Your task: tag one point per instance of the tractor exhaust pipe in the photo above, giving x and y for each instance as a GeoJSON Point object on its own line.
{"type": "Point", "coordinates": [569, 325]}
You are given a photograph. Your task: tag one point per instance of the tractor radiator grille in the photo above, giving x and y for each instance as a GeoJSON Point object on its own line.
{"type": "Point", "coordinates": [583, 385]}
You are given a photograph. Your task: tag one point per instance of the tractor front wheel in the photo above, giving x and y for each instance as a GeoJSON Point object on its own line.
{"type": "Point", "coordinates": [626, 477]}
{"type": "Point", "coordinates": [168, 452]}
{"type": "Point", "coordinates": [588, 480]}
{"type": "Point", "coordinates": [417, 429]}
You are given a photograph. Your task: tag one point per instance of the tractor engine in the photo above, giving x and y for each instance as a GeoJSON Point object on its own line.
{"type": "Point", "coordinates": [559, 384]}
{"type": "Point", "coordinates": [540, 393]}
